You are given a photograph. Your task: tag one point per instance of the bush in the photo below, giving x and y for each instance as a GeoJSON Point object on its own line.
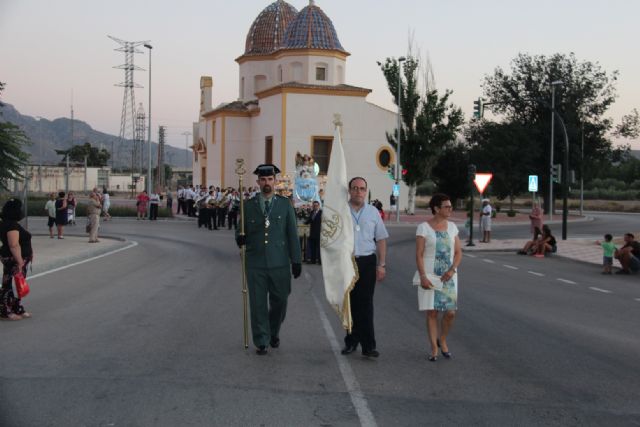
{"type": "Point", "coordinates": [511, 213]}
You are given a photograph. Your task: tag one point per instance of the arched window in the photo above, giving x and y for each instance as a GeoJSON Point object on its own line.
{"type": "Point", "coordinates": [322, 72]}
{"type": "Point", "coordinates": [280, 77]}
{"type": "Point", "coordinates": [242, 88]}
{"type": "Point", "coordinates": [340, 74]}
{"type": "Point", "coordinates": [259, 83]}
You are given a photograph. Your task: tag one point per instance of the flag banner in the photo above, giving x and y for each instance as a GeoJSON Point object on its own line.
{"type": "Point", "coordinates": [336, 237]}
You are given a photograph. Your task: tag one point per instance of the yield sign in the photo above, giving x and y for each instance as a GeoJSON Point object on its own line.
{"type": "Point", "coordinates": [482, 180]}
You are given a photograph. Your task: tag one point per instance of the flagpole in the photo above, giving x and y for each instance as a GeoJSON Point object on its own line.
{"type": "Point", "coordinates": [240, 171]}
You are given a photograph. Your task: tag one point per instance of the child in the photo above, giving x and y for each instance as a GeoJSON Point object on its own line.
{"type": "Point", "coordinates": [608, 248]}
{"type": "Point", "coordinates": [50, 207]}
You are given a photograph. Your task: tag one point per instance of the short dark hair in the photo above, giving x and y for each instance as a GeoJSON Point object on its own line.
{"type": "Point", "coordinates": [61, 194]}
{"type": "Point", "coordinates": [629, 235]}
{"type": "Point", "coordinates": [358, 177]}
{"type": "Point", "coordinates": [436, 201]}
{"type": "Point", "coordinates": [608, 237]}
{"type": "Point", "coordinates": [12, 210]}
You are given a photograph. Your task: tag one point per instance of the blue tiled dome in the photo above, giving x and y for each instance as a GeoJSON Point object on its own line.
{"type": "Point", "coordinates": [311, 29]}
{"type": "Point", "coordinates": [267, 31]}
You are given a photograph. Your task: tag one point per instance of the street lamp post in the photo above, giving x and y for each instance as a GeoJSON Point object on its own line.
{"type": "Point", "coordinates": [148, 46]}
{"type": "Point", "coordinates": [553, 110]}
{"type": "Point", "coordinates": [186, 146]}
{"type": "Point", "coordinates": [398, 170]}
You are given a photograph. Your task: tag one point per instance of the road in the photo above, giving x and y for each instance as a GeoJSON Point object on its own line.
{"type": "Point", "coordinates": [152, 336]}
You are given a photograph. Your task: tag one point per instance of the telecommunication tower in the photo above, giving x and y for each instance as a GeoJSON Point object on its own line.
{"type": "Point", "coordinates": [127, 118]}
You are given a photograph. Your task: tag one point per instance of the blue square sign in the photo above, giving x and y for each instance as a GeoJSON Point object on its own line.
{"type": "Point", "coordinates": [533, 183]}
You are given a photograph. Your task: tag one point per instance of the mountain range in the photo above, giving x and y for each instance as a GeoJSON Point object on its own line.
{"type": "Point", "coordinates": [50, 135]}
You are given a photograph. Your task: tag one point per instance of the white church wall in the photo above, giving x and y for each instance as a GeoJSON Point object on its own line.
{"type": "Point", "coordinates": [237, 142]}
{"type": "Point", "coordinates": [364, 127]}
{"type": "Point", "coordinates": [267, 124]}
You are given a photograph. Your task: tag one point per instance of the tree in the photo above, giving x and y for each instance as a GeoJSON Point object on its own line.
{"type": "Point", "coordinates": [429, 123]}
{"type": "Point", "coordinates": [95, 157]}
{"type": "Point", "coordinates": [524, 96]}
{"type": "Point", "coordinates": [629, 127]}
{"type": "Point", "coordinates": [505, 150]}
{"type": "Point", "coordinates": [12, 158]}
{"type": "Point", "coordinates": [451, 172]}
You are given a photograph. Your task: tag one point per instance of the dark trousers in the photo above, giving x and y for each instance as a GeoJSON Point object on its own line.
{"type": "Point", "coordinates": [190, 207]}
{"type": "Point", "coordinates": [314, 250]}
{"type": "Point", "coordinates": [269, 290]}
{"type": "Point", "coordinates": [232, 218]}
{"type": "Point", "coordinates": [181, 207]}
{"type": "Point", "coordinates": [203, 217]}
{"type": "Point", "coordinates": [362, 305]}
{"type": "Point", "coordinates": [222, 215]}
{"type": "Point", "coordinates": [153, 211]}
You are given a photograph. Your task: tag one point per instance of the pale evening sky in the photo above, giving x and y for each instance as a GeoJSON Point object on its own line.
{"type": "Point", "coordinates": [51, 48]}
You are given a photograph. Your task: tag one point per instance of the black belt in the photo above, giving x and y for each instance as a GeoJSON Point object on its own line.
{"type": "Point", "coordinates": [364, 256]}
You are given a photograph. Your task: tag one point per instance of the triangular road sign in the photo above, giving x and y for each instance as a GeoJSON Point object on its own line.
{"type": "Point", "coordinates": [482, 180]}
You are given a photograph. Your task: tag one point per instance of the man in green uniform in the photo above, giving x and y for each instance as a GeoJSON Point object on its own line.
{"type": "Point", "coordinates": [273, 255]}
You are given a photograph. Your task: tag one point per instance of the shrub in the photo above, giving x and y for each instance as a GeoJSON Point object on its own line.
{"type": "Point", "coordinates": [511, 213]}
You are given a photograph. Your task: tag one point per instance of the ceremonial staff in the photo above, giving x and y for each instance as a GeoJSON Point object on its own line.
{"type": "Point", "coordinates": [240, 171]}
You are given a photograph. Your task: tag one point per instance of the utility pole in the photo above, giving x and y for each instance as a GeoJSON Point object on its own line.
{"type": "Point", "coordinates": [186, 146]}
{"type": "Point", "coordinates": [160, 181]}
{"type": "Point", "coordinates": [398, 165]}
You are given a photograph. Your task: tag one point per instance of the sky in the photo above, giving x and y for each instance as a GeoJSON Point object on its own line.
{"type": "Point", "coordinates": [53, 53]}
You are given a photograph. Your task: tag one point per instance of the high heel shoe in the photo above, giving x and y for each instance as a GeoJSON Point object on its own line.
{"type": "Point", "coordinates": [432, 358]}
{"type": "Point", "coordinates": [445, 354]}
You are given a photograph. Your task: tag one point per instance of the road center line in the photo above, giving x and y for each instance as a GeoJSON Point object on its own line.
{"type": "Point", "coordinates": [353, 387]}
{"type": "Point", "coordinates": [471, 256]}
{"type": "Point", "coordinates": [510, 266]}
{"type": "Point", "coordinates": [490, 261]}
{"type": "Point", "coordinates": [604, 291]}
{"type": "Point", "coordinates": [567, 281]}
{"type": "Point", "coordinates": [535, 274]}
{"type": "Point", "coordinates": [638, 299]}
{"type": "Point", "coordinates": [64, 267]}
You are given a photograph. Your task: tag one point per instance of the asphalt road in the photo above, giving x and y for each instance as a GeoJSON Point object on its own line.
{"type": "Point", "coordinates": [152, 336]}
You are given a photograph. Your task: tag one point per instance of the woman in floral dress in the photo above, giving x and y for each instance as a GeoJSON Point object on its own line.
{"type": "Point", "coordinates": [438, 255]}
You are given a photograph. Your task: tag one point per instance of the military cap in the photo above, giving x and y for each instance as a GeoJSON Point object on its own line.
{"type": "Point", "coordinates": [267, 170]}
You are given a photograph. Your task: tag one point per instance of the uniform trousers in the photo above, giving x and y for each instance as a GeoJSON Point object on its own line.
{"type": "Point", "coordinates": [361, 298]}
{"type": "Point", "coordinates": [269, 290]}
{"type": "Point", "coordinates": [203, 217]}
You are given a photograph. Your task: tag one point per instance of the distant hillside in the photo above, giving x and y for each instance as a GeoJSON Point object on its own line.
{"type": "Point", "coordinates": [48, 136]}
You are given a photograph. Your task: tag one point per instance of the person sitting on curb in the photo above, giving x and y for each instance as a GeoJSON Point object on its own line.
{"type": "Point", "coordinates": [628, 255]}
{"type": "Point", "coordinates": [531, 244]}
{"type": "Point", "coordinates": [546, 243]}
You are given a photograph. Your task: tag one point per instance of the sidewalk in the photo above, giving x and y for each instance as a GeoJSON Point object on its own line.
{"type": "Point", "coordinates": [583, 250]}
{"type": "Point", "coordinates": [53, 253]}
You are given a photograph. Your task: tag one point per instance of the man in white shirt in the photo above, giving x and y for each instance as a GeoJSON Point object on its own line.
{"type": "Point", "coordinates": [485, 221]}
{"type": "Point", "coordinates": [370, 250]}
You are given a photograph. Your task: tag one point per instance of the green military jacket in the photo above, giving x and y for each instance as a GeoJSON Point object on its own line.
{"type": "Point", "coordinates": [276, 245]}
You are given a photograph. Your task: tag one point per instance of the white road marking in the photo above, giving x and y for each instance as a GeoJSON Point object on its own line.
{"type": "Point", "coordinates": [535, 274]}
{"type": "Point", "coordinates": [638, 299]}
{"type": "Point", "coordinates": [353, 387]}
{"type": "Point", "coordinates": [490, 261]}
{"type": "Point", "coordinates": [567, 281]}
{"type": "Point", "coordinates": [604, 291]}
{"type": "Point", "coordinates": [471, 256]}
{"type": "Point", "coordinates": [64, 267]}
{"type": "Point", "coordinates": [510, 266]}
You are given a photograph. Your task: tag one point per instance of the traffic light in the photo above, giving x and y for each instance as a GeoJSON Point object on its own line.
{"type": "Point", "coordinates": [556, 173]}
{"type": "Point", "coordinates": [478, 108]}
{"type": "Point", "coordinates": [404, 172]}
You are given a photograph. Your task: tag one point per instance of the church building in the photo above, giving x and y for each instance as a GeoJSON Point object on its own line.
{"type": "Point", "coordinates": [291, 83]}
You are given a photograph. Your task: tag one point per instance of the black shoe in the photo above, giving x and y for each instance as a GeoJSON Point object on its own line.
{"type": "Point", "coordinates": [432, 358]}
{"type": "Point", "coordinates": [275, 342]}
{"type": "Point", "coordinates": [446, 354]}
{"type": "Point", "coordinates": [261, 351]}
{"type": "Point", "coordinates": [349, 348]}
{"type": "Point", "coordinates": [370, 353]}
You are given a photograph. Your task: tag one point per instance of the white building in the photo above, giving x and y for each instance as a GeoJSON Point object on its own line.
{"type": "Point", "coordinates": [292, 81]}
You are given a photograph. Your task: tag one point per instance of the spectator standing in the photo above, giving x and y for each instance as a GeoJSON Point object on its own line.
{"type": "Point", "coordinates": [169, 200]}
{"type": "Point", "coordinates": [16, 254]}
{"type": "Point", "coordinates": [106, 203]}
{"type": "Point", "coordinates": [154, 201]}
{"type": "Point", "coordinates": [71, 208]}
{"type": "Point", "coordinates": [628, 255]}
{"type": "Point", "coordinates": [61, 213]}
{"type": "Point", "coordinates": [93, 212]}
{"type": "Point", "coordinates": [608, 250]}
{"type": "Point", "coordinates": [141, 204]}
{"type": "Point", "coordinates": [485, 221]}
{"type": "Point", "coordinates": [50, 207]}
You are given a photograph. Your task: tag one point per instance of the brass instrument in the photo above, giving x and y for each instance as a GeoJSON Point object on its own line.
{"type": "Point", "coordinates": [240, 171]}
